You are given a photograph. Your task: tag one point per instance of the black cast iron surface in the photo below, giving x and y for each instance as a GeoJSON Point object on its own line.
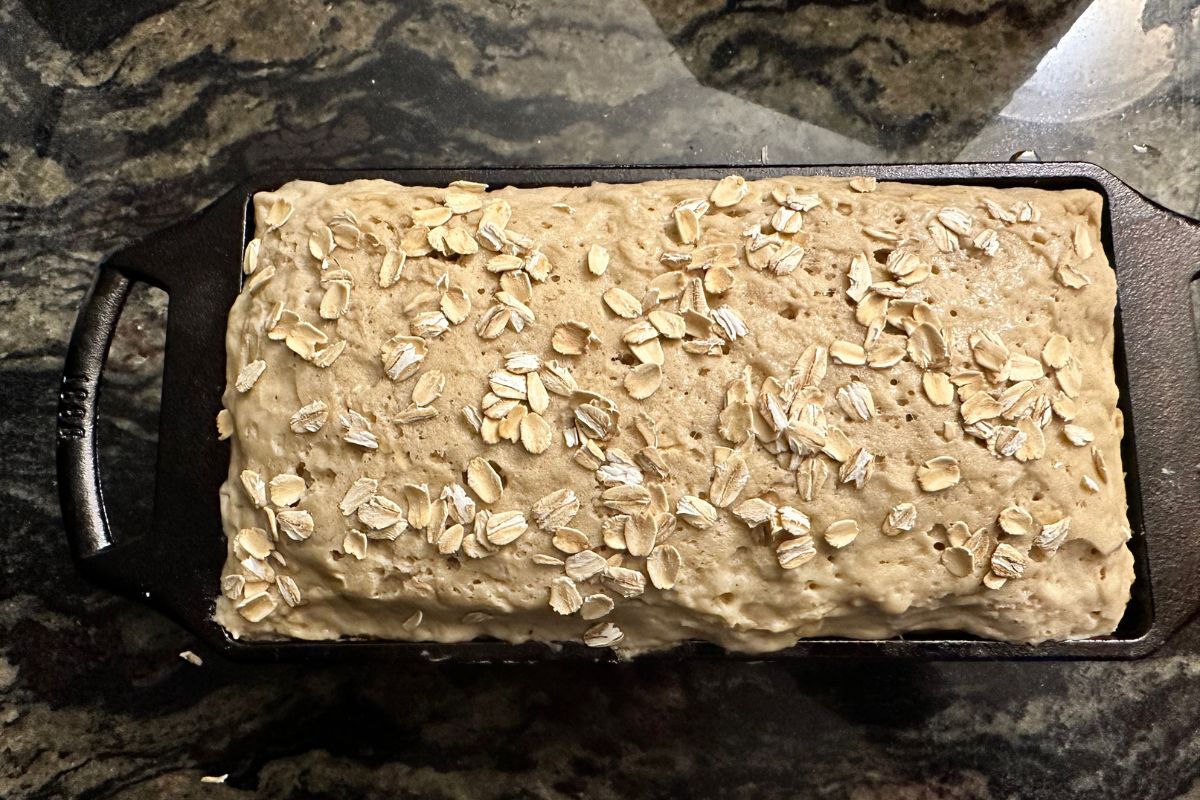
{"type": "Point", "coordinates": [175, 565]}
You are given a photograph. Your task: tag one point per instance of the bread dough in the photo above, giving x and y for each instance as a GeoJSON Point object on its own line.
{"type": "Point", "coordinates": [730, 587]}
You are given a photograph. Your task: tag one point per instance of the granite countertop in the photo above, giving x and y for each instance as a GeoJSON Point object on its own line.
{"type": "Point", "coordinates": [119, 119]}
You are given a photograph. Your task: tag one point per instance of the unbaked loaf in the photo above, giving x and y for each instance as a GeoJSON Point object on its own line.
{"type": "Point", "coordinates": [744, 412]}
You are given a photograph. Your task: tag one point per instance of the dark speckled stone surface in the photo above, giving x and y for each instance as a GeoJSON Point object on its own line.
{"type": "Point", "coordinates": [118, 119]}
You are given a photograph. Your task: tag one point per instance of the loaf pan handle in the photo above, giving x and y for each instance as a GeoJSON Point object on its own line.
{"type": "Point", "coordinates": [1157, 253]}
{"type": "Point", "coordinates": [84, 513]}
{"type": "Point", "coordinates": [173, 560]}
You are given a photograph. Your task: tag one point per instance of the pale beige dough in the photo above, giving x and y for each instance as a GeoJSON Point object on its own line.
{"type": "Point", "coordinates": [730, 587]}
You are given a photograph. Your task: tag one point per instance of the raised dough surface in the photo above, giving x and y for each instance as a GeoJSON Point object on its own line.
{"type": "Point", "coordinates": [731, 588]}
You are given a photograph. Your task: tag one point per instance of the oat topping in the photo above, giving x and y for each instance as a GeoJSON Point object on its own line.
{"type": "Point", "coordinates": [603, 634]}
{"type": "Point", "coordinates": [663, 566]}
{"type": "Point", "coordinates": [573, 339]}
{"type": "Point", "coordinates": [755, 511]}
{"type": "Point", "coordinates": [257, 607]}
{"type": "Point", "coordinates": [696, 512]}
{"type": "Point", "coordinates": [258, 279]}
{"type": "Point", "coordinates": [938, 473]}
{"type": "Point", "coordinates": [873, 308]}
{"type": "Point", "coordinates": [956, 220]}
{"type": "Point", "coordinates": [841, 533]}
{"type": "Point", "coordinates": [355, 544]}
{"type": "Point", "coordinates": [793, 553]}
{"type": "Point", "coordinates": [428, 387]}
{"type": "Point", "coordinates": [584, 565]}
{"type": "Point", "coordinates": [224, 424]}
{"type": "Point", "coordinates": [687, 224]}
{"type": "Point", "coordinates": [250, 256]}
{"type": "Point", "coordinates": [357, 430]}
{"type": "Point", "coordinates": [1016, 521]}
{"type": "Point", "coordinates": [729, 191]}
{"type": "Point", "coordinates": [850, 353]}
{"type": "Point", "coordinates": [863, 184]}
{"type": "Point", "coordinates": [856, 401]}
{"type": "Point", "coordinates": [379, 513]}
{"type": "Point", "coordinates": [623, 581]}
{"type": "Point", "coordinates": [958, 561]}
{"type": "Point", "coordinates": [1056, 353]}
{"type": "Point", "coordinates": [597, 260]}
{"type": "Point", "coordinates": [295, 524]}
{"type": "Point", "coordinates": [622, 303]}
{"type": "Point", "coordinates": [927, 347]}
{"type": "Point", "coordinates": [937, 388]}
{"type": "Point", "coordinates": [250, 374]}
{"type": "Point", "coordinates": [505, 527]}
{"type": "Point", "coordinates": [536, 433]}
{"type": "Point", "coordinates": [255, 486]}
{"type": "Point", "coordinates": [987, 241]}
{"type": "Point", "coordinates": [810, 477]}
{"type": "Point", "coordinates": [278, 213]}
{"type": "Point", "coordinates": [980, 406]}
{"type": "Point", "coordinates": [419, 509]}
{"type": "Point", "coordinates": [729, 323]}
{"type": "Point", "coordinates": [957, 533]}
{"type": "Point", "coordinates": [1083, 241]}
{"type": "Point", "coordinates": [907, 268]}
{"type": "Point", "coordinates": [402, 356]}
{"type": "Point", "coordinates": [639, 333]}
{"type": "Point", "coordinates": [484, 481]}
{"type": "Point", "coordinates": [1070, 379]}
{"type": "Point", "coordinates": [1053, 535]}
{"type": "Point", "coordinates": [858, 469]}
{"type": "Point", "coordinates": [643, 381]}
{"type": "Point", "coordinates": [321, 243]}
{"type": "Point", "coordinates": [901, 519]}
{"type": "Point", "coordinates": [459, 505]}
{"type": "Point", "coordinates": [1008, 562]}
{"type": "Point", "coordinates": [838, 446]}
{"type": "Point", "coordinates": [860, 278]}
{"type": "Point", "coordinates": [596, 606]}
{"type": "Point", "coordinates": [990, 354]}
{"type": "Point", "coordinates": [730, 475]}
{"type": "Point", "coordinates": [942, 238]}
{"type": "Point", "coordinates": [1034, 445]}
{"type": "Point", "coordinates": [787, 220]}
{"type": "Point", "coordinates": [718, 279]}
{"type": "Point", "coordinates": [885, 356]}
{"type": "Point", "coordinates": [811, 366]}
{"type": "Point", "coordinates": [359, 492]}
{"type": "Point", "coordinates": [287, 490]}
{"type": "Point", "coordinates": [429, 324]}
{"type": "Point", "coordinates": [1071, 277]}
{"type": "Point", "coordinates": [1100, 464]}
{"type": "Point", "coordinates": [556, 510]}
{"type": "Point", "coordinates": [998, 212]}
{"type": "Point", "coordinates": [254, 542]}
{"type": "Point", "coordinates": [565, 598]}
{"type": "Point", "coordinates": [1078, 435]}
{"type": "Point", "coordinates": [324, 357]}
{"type": "Point", "coordinates": [785, 259]}
{"type": "Point", "coordinates": [570, 540]}
{"type": "Point", "coordinates": [310, 418]}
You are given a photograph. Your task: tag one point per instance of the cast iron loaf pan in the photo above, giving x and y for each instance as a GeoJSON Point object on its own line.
{"type": "Point", "coordinates": [176, 565]}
